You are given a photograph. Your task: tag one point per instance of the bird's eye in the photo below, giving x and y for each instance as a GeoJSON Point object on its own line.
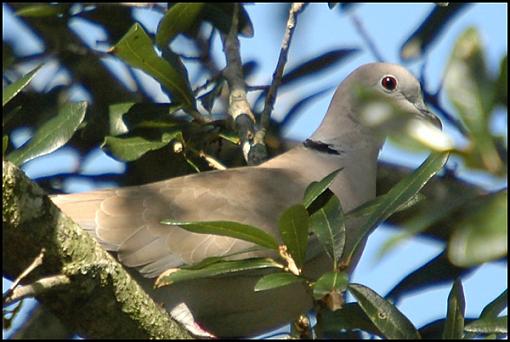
{"type": "Point", "coordinates": [389, 82]}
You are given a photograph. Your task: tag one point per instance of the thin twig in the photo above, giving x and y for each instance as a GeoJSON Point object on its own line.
{"type": "Point", "coordinates": [364, 34]}
{"type": "Point", "coordinates": [36, 288]}
{"type": "Point", "coordinates": [215, 164]}
{"type": "Point", "coordinates": [36, 263]}
{"type": "Point", "coordinates": [295, 8]}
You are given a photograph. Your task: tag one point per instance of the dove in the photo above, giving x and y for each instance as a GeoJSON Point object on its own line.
{"type": "Point", "coordinates": [126, 221]}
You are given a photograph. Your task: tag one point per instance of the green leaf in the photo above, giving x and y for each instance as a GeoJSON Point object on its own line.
{"type": "Point", "coordinates": [132, 148]}
{"type": "Point", "coordinates": [454, 325]}
{"type": "Point", "coordinates": [137, 50]}
{"type": "Point", "coordinates": [215, 269]}
{"type": "Point", "coordinates": [470, 89]}
{"type": "Point", "coordinates": [398, 196]}
{"type": "Point", "coordinates": [128, 116]}
{"type": "Point", "coordinates": [315, 189]}
{"type": "Point", "coordinates": [274, 280]}
{"type": "Point", "coordinates": [178, 19]}
{"type": "Point", "coordinates": [293, 225]}
{"type": "Point", "coordinates": [329, 282]}
{"type": "Point", "coordinates": [13, 89]}
{"type": "Point", "coordinates": [385, 316]}
{"type": "Point", "coordinates": [5, 144]}
{"type": "Point", "coordinates": [495, 325]}
{"type": "Point", "coordinates": [52, 135]}
{"type": "Point", "coordinates": [328, 224]}
{"type": "Point", "coordinates": [494, 308]}
{"type": "Point", "coordinates": [428, 32]}
{"type": "Point", "coordinates": [226, 228]}
{"type": "Point", "coordinates": [481, 235]}
{"type": "Point", "coordinates": [42, 10]}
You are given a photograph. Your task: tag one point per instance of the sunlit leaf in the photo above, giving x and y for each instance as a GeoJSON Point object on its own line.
{"type": "Point", "coordinates": [215, 269]}
{"type": "Point", "coordinates": [454, 325]}
{"type": "Point", "coordinates": [42, 10]}
{"type": "Point", "coordinates": [227, 228]}
{"type": "Point", "coordinates": [400, 194]}
{"type": "Point", "coordinates": [315, 189]}
{"type": "Point", "coordinates": [385, 316]}
{"type": "Point", "coordinates": [137, 50]}
{"type": "Point", "coordinates": [274, 280]}
{"type": "Point", "coordinates": [293, 225]}
{"type": "Point", "coordinates": [328, 224]}
{"type": "Point", "coordinates": [494, 308]}
{"type": "Point", "coordinates": [52, 135]}
{"type": "Point", "coordinates": [497, 325]}
{"type": "Point", "coordinates": [13, 89]}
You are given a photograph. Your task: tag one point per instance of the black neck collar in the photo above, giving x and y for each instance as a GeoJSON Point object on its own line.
{"type": "Point", "coordinates": [320, 147]}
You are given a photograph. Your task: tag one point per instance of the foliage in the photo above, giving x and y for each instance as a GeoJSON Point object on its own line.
{"type": "Point", "coordinates": [162, 140]}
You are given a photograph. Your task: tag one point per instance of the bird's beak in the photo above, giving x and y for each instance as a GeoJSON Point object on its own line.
{"type": "Point", "coordinates": [425, 114]}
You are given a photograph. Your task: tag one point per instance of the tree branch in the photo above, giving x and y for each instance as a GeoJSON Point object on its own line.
{"type": "Point", "coordinates": [239, 108]}
{"type": "Point", "coordinates": [121, 309]}
{"type": "Point", "coordinates": [295, 8]}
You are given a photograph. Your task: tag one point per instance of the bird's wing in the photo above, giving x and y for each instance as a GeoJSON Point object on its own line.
{"type": "Point", "coordinates": [127, 220]}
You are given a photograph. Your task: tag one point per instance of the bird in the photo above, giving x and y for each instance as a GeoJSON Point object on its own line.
{"type": "Point", "coordinates": [127, 220]}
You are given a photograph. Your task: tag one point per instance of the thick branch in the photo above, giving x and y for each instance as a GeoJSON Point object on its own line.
{"type": "Point", "coordinates": [239, 107]}
{"type": "Point", "coordinates": [102, 300]}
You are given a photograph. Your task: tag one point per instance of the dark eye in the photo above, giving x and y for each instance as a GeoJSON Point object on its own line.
{"type": "Point", "coordinates": [389, 83]}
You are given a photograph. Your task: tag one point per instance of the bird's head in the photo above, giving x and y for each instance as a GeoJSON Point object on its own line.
{"type": "Point", "coordinates": [376, 99]}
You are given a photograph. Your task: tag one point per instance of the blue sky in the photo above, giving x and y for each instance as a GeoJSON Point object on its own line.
{"type": "Point", "coordinates": [319, 30]}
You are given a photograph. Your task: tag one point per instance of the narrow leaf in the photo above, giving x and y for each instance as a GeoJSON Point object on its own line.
{"type": "Point", "coordinates": [315, 189]}
{"type": "Point", "coordinates": [137, 50]}
{"type": "Point", "coordinates": [226, 228]}
{"type": "Point", "coordinates": [13, 89]}
{"type": "Point", "coordinates": [317, 64]}
{"type": "Point", "coordinates": [494, 308]}
{"type": "Point", "coordinates": [329, 226]}
{"type": "Point", "coordinates": [400, 194]}
{"type": "Point", "coordinates": [454, 325]}
{"type": "Point", "coordinates": [293, 225]}
{"type": "Point", "coordinates": [496, 325]}
{"type": "Point", "coordinates": [52, 135]}
{"type": "Point", "coordinates": [215, 269]}
{"type": "Point", "coordinates": [385, 316]}
{"type": "Point", "coordinates": [274, 280]}
{"type": "Point", "coordinates": [431, 28]}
